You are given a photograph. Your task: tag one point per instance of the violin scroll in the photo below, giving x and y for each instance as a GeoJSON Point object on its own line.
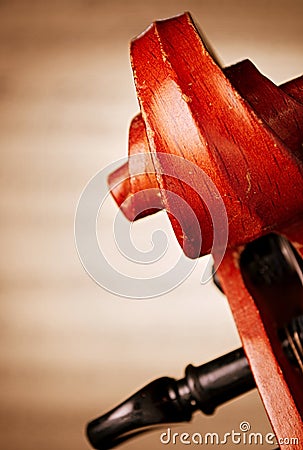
{"type": "Point", "coordinates": [244, 135]}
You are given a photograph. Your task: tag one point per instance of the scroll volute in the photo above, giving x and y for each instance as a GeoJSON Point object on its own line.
{"type": "Point", "coordinates": [242, 135]}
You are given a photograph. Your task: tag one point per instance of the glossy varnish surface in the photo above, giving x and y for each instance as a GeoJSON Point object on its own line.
{"type": "Point", "coordinates": [246, 134]}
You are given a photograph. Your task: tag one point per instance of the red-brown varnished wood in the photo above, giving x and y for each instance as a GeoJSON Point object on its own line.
{"type": "Point", "coordinates": [243, 136]}
{"type": "Point", "coordinates": [294, 88]}
{"type": "Point", "coordinates": [282, 395]}
{"type": "Point", "coordinates": [125, 187]}
{"type": "Point", "coordinates": [134, 185]}
{"type": "Point", "coordinates": [281, 112]}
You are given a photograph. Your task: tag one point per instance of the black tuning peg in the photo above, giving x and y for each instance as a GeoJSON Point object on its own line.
{"type": "Point", "coordinates": [204, 388]}
{"type": "Point", "coordinates": [269, 260]}
{"type": "Point", "coordinates": [167, 400]}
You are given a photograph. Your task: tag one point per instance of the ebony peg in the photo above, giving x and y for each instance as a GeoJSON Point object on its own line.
{"type": "Point", "coordinates": [167, 400]}
{"type": "Point", "coordinates": [204, 388]}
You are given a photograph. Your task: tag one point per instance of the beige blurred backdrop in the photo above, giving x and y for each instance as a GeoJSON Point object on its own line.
{"type": "Point", "coordinates": [69, 349]}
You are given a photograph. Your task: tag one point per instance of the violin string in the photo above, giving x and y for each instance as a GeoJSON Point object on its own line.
{"type": "Point", "coordinates": [293, 346]}
{"type": "Point", "coordinates": [299, 343]}
{"type": "Point", "coordinates": [293, 338]}
{"type": "Point", "coordinates": [290, 256]}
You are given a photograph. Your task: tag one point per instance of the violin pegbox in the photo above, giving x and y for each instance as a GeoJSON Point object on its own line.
{"type": "Point", "coordinates": [244, 135]}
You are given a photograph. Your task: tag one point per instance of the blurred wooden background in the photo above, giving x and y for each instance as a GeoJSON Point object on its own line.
{"type": "Point", "coordinates": [70, 350]}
